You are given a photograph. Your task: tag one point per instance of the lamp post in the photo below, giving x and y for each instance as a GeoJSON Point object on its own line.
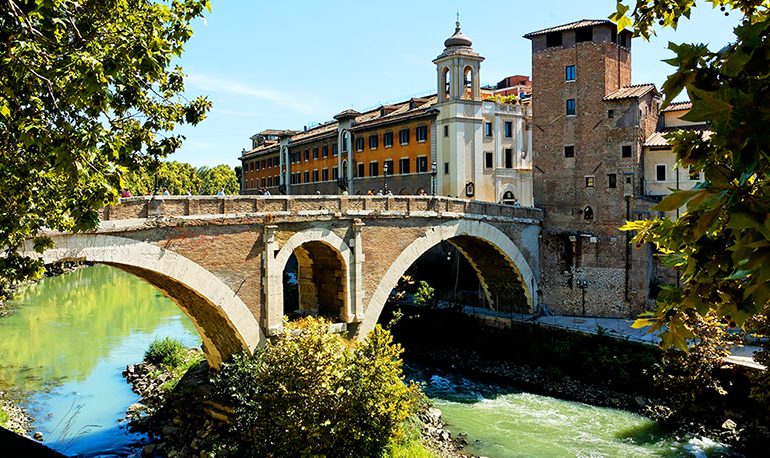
{"type": "Point", "coordinates": [583, 284]}
{"type": "Point", "coordinates": [385, 177]}
{"type": "Point", "coordinates": [433, 177]}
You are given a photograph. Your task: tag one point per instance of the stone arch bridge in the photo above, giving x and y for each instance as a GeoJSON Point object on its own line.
{"type": "Point", "coordinates": [222, 259]}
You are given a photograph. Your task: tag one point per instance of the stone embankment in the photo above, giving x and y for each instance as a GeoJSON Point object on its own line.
{"type": "Point", "coordinates": [178, 429]}
{"type": "Point", "coordinates": [16, 418]}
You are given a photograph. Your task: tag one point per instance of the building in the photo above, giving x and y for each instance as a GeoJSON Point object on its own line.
{"type": "Point", "coordinates": [452, 143]}
{"type": "Point", "coordinates": [589, 125]}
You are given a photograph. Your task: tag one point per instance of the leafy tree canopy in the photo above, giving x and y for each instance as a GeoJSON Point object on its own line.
{"type": "Point", "coordinates": [217, 178]}
{"type": "Point", "coordinates": [87, 93]}
{"type": "Point", "coordinates": [721, 244]}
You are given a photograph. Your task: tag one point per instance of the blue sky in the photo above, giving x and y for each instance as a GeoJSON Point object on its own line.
{"type": "Point", "coordinates": [292, 63]}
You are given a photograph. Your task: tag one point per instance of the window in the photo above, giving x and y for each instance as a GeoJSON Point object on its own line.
{"type": "Point", "coordinates": [307, 155]}
{"type": "Point", "coordinates": [359, 143]}
{"type": "Point", "coordinates": [488, 129]}
{"type": "Point", "coordinates": [660, 172]}
{"type": "Point", "coordinates": [626, 151]}
{"type": "Point", "coordinates": [588, 213]}
{"type": "Point", "coordinates": [315, 153]}
{"type": "Point", "coordinates": [324, 151]}
{"type": "Point", "coordinates": [488, 159]}
{"type": "Point", "coordinates": [508, 128]}
{"type": "Point", "coordinates": [446, 168]}
{"type": "Point", "coordinates": [694, 175]}
{"type": "Point", "coordinates": [610, 114]}
{"type": "Point", "coordinates": [403, 165]}
{"type": "Point", "coordinates": [584, 34]}
{"type": "Point", "coordinates": [508, 158]}
{"type": "Point", "coordinates": [263, 183]}
{"type": "Point", "coordinates": [374, 169]}
{"type": "Point", "coordinates": [387, 167]}
{"type": "Point", "coordinates": [325, 175]}
{"type": "Point", "coordinates": [334, 149]}
{"type": "Point", "coordinates": [569, 73]}
{"type": "Point", "coordinates": [589, 182]}
{"type": "Point", "coordinates": [446, 131]}
{"type": "Point", "coordinates": [422, 164]}
{"type": "Point", "coordinates": [345, 142]}
{"type": "Point", "coordinates": [403, 136]}
{"type": "Point", "coordinates": [421, 133]}
{"type": "Point", "coordinates": [360, 171]}
{"type": "Point", "coordinates": [269, 181]}
{"type": "Point", "coordinates": [552, 39]}
{"type": "Point", "coordinates": [335, 173]}
{"type": "Point", "coordinates": [270, 162]}
{"type": "Point", "coordinates": [307, 177]}
{"type": "Point", "coordinates": [373, 141]}
{"type": "Point", "coordinates": [264, 166]}
{"type": "Point", "coordinates": [612, 180]}
{"type": "Point", "coordinates": [571, 108]}
{"type": "Point", "coordinates": [257, 165]}
{"type": "Point", "coordinates": [569, 151]}
{"type": "Point", "coordinates": [387, 139]}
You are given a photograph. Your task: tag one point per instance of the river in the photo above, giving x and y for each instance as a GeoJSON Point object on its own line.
{"type": "Point", "coordinates": [69, 338]}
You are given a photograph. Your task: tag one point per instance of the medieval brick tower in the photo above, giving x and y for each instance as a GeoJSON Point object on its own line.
{"type": "Point", "coordinates": [588, 126]}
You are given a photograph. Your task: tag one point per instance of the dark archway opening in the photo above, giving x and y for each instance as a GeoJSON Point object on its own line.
{"type": "Point", "coordinates": [314, 282]}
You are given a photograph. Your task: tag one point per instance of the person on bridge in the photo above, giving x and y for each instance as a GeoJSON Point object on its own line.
{"type": "Point", "coordinates": [221, 192]}
{"type": "Point", "coordinates": [125, 193]}
{"type": "Point", "coordinates": [165, 192]}
{"type": "Point", "coordinates": [266, 192]}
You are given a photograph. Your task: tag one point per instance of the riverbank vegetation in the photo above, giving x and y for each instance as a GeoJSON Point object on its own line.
{"type": "Point", "coordinates": [308, 392]}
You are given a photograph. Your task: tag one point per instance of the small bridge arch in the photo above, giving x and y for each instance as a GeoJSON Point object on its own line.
{"type": "Point", "coordinates": [225, 324]}
{"type": "Point", "coordinates": [475, 240]}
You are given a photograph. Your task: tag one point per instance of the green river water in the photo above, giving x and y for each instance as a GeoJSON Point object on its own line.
{"type": "Point", "coordinates": [63, 349]}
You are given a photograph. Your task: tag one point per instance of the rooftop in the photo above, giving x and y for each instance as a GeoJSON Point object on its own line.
{"type": "Point", "coordinates": [677, 106]}
{"type": "Point", "coordinates": [658, 139]}
{"type": "Point", "coordinates": [631, 92]}
{"type": "Point", "coordinates": [571, 26]}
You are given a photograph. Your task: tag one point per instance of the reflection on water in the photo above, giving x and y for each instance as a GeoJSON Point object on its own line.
{"type": "Point", "coordinates": [67, 343]}
{"type": "Point", "coordinates": [505, 423]}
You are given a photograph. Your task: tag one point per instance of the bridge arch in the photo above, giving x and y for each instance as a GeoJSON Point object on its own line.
{"type": "Point", "coordinates": [468, 237]}
{"type": "Point", "coordinates": [225, 324]}
{"type": "Point", "coordinates": [324, 266]}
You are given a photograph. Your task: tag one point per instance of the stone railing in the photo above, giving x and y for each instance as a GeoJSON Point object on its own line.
{"type": "Point", "coordinates": [351, 206]}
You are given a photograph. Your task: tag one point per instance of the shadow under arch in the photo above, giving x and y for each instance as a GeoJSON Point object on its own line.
{"type": "Point", "coordinates": [225, 324]}
{"type": "Point", "coordinates": [476, 240]}
{"type": "Point", "coordinates": [310, 245]}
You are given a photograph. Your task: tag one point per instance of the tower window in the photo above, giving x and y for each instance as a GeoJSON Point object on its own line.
{"type": "Point", "coordinates": [446, 131]}
{"type": "Point", "coordinates": [588, 213]}
{"type": "Point", "coordinates": [660, 172]}
{"type": "Point", "coordinates": [612, 180]}
{"type": "Point", "coordinates": [589, 181]}
{"type": "Point", "coordinates": [569, 151]}
{"type": "Point", "coordinates": [610, 114]}
{"type": "Point", "coordinates": [569, 73]}
{"type": "Point", "coordinates": [571, 107]}
{"type": "Point", "coordinates": [488, 129]}
{"type": "Point", "coordinates": [508, 158]}
{"type": "Point", "coordinates": [584, 34]}
{"type": "Point", "coordinates": [553, 39]}
{"type": "Point", "coordinates": [446, 168]}
{"type": "Point", "coordinates": [508, 129]}
{"type": "Point", "coordinates": [625, 150]}
{"type": "Point", "coordinates": [488, 160]}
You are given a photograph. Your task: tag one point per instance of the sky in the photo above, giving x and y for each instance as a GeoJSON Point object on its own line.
{"type": "Point", "coordinates": [288, 64]}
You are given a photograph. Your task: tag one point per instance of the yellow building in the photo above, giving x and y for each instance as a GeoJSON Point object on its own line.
{"type": "Point", "coordinates": [452, 143]}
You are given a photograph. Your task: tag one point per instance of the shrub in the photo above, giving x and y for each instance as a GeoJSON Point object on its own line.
{"type": "Point", "coordinates": [312, 393]}
{"type": "Point", "coordinates": [166, 352]}
{"type": "Point", "coordinates": [425, 294]}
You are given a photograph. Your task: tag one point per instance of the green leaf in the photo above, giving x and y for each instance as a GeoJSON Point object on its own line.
{"type": "Point", "coordinates": [675, 200]}
{"type": "Point", "coordinates": [707, 107]}
{"type": "Point", "coordinates": [5, 111]}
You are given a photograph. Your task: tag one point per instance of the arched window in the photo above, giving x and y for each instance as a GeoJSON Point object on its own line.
{"type": "Point", "coordinates": [447, 80]}
{"type": "Point", "coordinates": [509, 198]}
{"type": "Point", "coordinates": [344, 141]}
{"type": "Point", "coordinates": [468, 83]}
{"type": "Point", "coordinates": [588, 213]}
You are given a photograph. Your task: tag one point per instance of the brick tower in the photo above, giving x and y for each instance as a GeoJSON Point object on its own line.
{"type": "Point", "coordinates": [588, 126]}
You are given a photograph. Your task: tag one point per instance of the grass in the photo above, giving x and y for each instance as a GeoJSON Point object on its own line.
{"type": "Point", "coordinates": [411, 448]}
{"type": "Point", "coordinates": [166, 352]}
{"type": "Point", "coordinates": [4, 417]}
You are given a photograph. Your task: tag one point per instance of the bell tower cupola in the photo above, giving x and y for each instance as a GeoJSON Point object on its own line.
{"type": "Point", "coordinates": [458, 68]}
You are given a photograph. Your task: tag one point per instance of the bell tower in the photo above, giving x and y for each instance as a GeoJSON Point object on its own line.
{"type": "Point", "coordinates": [459, 122]}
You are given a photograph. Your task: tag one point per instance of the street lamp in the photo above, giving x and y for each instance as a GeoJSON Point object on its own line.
{"type": "Point", "coordinates": [385, 177]}
{"type": "Point", "coordinates": [433, 175]}
{"type": "Point", "coordinates": [583, 284]}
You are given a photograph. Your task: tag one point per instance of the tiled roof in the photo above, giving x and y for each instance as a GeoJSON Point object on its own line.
{"type": "Point", "coordinates": [571, 26]}
{"type": "Point", "coordinates": [657, 138]}
{"type": "Point", "coordinates": [677, 106]}
{"type": "Point", "coordinates": [631, 92]}
{"type": "Point", "coordinates": [278, 132]}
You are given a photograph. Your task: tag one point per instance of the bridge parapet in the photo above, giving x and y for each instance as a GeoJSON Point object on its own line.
{"type": "Point", "coordinates": [350, 206]}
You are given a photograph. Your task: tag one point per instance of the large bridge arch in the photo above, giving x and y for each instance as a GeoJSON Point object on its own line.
{"type": "Point", "coordinates": [225, 324]}
{"type": "Point", "coordinates": [314, 241]}
{"type": "Point", "coordinates": [469, 232]}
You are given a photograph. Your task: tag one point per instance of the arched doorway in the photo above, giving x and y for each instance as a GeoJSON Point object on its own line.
{"type": "Point", "coordinates": [315, 282]}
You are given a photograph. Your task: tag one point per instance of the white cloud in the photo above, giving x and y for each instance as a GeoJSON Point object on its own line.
{"type": "Point", "coordinates": [219, 85]}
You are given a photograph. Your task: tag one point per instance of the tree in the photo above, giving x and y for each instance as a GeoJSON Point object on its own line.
{"type": "Point", "coordinates": [216, 178]}
{"type": "Point", "coordinates": [309, 392]}
{"type": "Point", "coordinates": [86, 95]}
{"type": "Point", "coordinates": [721, 244]}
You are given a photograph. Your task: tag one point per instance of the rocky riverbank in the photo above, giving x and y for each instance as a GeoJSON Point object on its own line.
{"type": "Point", "coordinates": [186, 421]}
{"type": "Point", "coordinates": [13, 417]}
